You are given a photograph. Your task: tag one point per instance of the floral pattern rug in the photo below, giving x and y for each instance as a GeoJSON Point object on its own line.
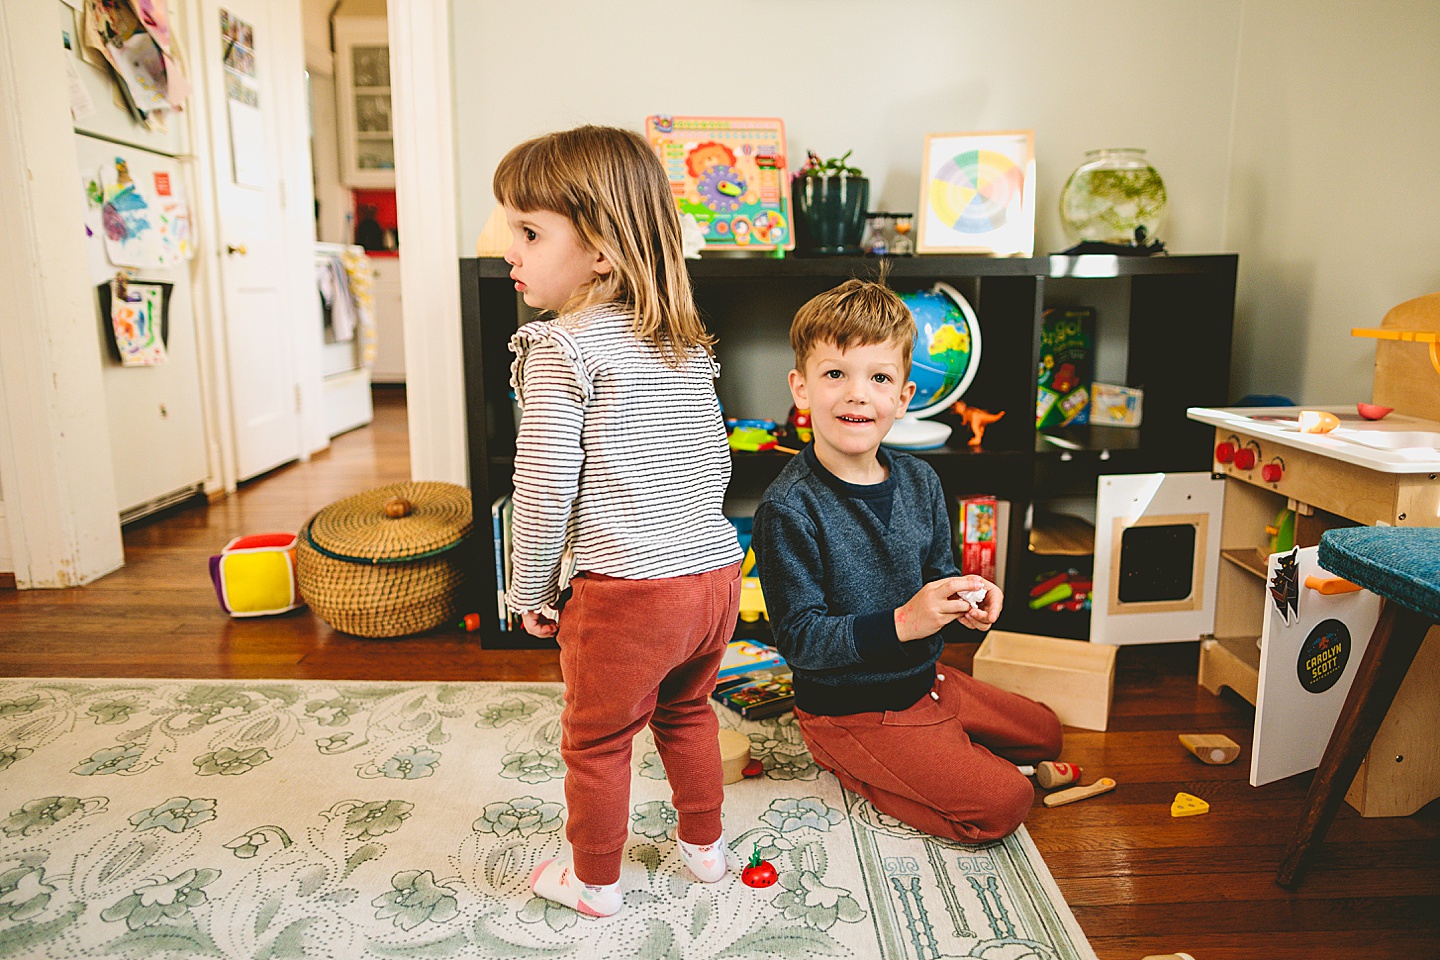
{"type": "Point", "coordinates": [268, 819]}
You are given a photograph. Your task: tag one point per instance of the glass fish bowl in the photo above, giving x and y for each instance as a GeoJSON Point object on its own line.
{"type": "Point", "coordinates": [1115, 196]}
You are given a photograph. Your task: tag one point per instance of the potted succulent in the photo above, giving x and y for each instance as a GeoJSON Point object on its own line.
{"type": "Point", "coordinates": [830, 201]}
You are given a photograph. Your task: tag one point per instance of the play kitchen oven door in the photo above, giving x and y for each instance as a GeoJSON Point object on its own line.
{"type": "Point", "coordinates": [1157, 557]}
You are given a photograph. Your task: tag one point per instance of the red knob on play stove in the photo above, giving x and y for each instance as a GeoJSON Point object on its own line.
{"type": "Point", "coordinates": [1271, 473]}
{"type": "Point", "coordinates": [1224, 452]}
{"type": "Point", "coordinates": [1244, 459]}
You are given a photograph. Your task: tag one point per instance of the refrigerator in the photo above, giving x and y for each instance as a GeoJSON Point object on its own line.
{"type": "Point", "coordinates": [157, 428]}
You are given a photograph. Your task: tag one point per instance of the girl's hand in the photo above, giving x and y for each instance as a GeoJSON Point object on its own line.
{"type": "Point", "coordinates": [983, 610]}
{"type": "Point", "coordinates": [537, 624]}
{"type": "Point", "coordinates": [933, 606]}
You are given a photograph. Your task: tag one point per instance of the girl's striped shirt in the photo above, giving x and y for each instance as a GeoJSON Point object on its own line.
{"type": "Point", "coordinates": [621, 460]}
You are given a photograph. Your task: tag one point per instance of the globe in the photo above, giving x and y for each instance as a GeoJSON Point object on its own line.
{"type": "Point", "coordinates": [947, 354]}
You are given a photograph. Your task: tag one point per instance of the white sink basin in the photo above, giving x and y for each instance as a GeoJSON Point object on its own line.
{"type": "Point", "coordinates": [1420, 440]}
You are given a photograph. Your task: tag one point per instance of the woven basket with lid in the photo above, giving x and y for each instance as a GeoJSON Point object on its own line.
{"type": "Point", "coordinates": [388, 562]}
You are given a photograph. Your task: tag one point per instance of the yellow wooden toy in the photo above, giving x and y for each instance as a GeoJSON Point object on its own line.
{"type": "Point", "coordinates": [1184, 805]}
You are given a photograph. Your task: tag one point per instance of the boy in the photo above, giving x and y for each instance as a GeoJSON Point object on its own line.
{"type": "Point", "coordinates": [853, 547]}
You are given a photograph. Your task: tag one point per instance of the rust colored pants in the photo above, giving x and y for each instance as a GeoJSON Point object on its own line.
{"type": "Point", "coordinates": [932, 765]}
{"type": "Point", "coordinates": [632, 653]}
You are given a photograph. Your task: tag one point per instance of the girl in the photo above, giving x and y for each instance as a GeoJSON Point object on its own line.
{"type": "Point", "coordinates": [621, 462]}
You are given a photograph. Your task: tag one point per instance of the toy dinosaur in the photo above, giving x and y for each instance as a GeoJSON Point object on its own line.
{"type": "Point", "coordinates": [976, 419]}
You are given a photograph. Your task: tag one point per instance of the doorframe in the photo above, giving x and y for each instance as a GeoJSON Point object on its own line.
{"type": "Point", "coordinates": [205, 273]}
{"type": "Point", "coordinates": [422, 95]}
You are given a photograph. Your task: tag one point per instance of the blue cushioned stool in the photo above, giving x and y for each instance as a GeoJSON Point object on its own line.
{"type": "Point", "coordinates": [1402, 565]}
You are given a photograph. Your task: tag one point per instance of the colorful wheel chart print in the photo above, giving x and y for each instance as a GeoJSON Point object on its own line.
{"type": "Point", "coordinates": [972, 192]}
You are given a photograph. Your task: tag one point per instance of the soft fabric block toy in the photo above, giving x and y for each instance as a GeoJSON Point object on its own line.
{"type": "Point", "coordinates": [254, 576]}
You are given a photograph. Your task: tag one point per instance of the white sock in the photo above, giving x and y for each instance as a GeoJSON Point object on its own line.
{"type": "Point", "coordinates": [708, 861]}
{"type": "Point", "coordinates": [555, 880]}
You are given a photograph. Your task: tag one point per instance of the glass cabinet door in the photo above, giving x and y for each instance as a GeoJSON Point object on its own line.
{"type": "Point", "coordinates": [367, 145]}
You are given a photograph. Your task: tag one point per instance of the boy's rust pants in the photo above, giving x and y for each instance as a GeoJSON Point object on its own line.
{"type": "Point", "coordinates": [932, 766]}
{"type": "Point", "coordinates": [632, 653]}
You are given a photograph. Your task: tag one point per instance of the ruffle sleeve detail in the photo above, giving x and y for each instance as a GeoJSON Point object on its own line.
{"type": "Point", "coordinates": [539, 331]}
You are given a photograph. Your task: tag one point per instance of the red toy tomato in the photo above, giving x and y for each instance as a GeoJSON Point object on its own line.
{"type": "Point", "coordinates": [760, 873]}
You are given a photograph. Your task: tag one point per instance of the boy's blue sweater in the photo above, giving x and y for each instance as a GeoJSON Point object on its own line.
{"type": "Point", "coordinates": [835, 561]}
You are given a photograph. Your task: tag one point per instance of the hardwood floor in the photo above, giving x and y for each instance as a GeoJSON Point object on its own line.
{"type": "Point", "coordinates": [1139, 881]}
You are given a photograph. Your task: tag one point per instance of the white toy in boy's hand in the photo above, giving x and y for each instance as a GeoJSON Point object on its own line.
{"type": "Point", "coordinates": [972, 597]}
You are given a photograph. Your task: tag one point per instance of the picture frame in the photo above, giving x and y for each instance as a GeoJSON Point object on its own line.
{"type": "Point", "coordinates": [977, 194]}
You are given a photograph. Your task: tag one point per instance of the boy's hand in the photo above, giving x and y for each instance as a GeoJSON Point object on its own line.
{"type": "Point", "coordinates": [537, 624]}
{"type": "Point", "coordinates": [984, 607]}
{"type": "Point", "coordinates": [933, 606]}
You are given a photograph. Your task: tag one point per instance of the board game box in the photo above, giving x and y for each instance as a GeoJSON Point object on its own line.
{"type": "Point", "coordinates": [982, 529]}
{"type": "Point", "coordinates": [759, 696]}
{"type": "Point", "coordinates": [1066, 344]}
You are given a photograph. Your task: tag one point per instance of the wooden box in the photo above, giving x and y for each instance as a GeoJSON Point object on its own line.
{"type": "Point", "coordinates": [1074, 678]}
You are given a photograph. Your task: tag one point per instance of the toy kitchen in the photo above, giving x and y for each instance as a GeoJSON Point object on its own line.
{"type": "Point", "coordinates": [1288, 636]}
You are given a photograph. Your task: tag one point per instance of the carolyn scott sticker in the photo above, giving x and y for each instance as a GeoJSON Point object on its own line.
{"type": "Point", "coordinates": [1323, 656]}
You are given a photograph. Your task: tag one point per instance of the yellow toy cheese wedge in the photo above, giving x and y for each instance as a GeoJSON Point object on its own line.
{"type": "Point", "coordinates": [1185, 805]}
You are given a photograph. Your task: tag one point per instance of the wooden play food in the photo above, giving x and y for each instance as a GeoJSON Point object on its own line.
{"type": "Point", "coordinates": [1372, 411]}
{"type": "Point", "coordinates": [1103, 785]}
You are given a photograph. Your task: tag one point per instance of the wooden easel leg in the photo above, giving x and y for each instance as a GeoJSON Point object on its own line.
{"type": "Point", "coordinates": [1393, 646]}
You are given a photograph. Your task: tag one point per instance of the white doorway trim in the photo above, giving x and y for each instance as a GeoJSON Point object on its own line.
{"type": "Point", "coordinates": [422, 93]}
{"type": "Point", "coordinates": [209, 310]}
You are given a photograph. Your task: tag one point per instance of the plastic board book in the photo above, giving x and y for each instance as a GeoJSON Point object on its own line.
{"type": "Point", "coordinates": [1066, 336]}
{"type": "Point", "coordinates": [730, 173]}
{"type": "Point", "coordinates": [747, 656]}
{"type": "Point", "coordinates": [757, 697]}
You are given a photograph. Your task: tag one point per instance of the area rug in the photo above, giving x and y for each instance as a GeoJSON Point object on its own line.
{"type": "Point", "coordinates": [260, 819]}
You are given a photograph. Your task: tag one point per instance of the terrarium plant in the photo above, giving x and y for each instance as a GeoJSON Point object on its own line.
{"type": "Point", "coordinates": [831, 199]}
{"type": "Point", "coordinates": [1114, 197]}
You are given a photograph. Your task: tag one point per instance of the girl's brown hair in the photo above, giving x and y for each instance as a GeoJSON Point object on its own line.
{"type": "Point", "coordinates": [609, 183]}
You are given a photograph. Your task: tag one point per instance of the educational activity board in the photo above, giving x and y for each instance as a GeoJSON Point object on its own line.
{"type": "Point", "coordinates": [730, 174]}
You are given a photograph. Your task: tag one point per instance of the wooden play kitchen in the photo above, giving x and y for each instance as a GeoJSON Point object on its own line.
{"type": "Point", "coordinates": [1286, 486]}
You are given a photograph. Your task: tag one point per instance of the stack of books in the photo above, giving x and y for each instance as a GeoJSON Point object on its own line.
{"type": "Point", "coordinates": [754, 681]}
{"type": "Point", "coordinates": [501, 514]}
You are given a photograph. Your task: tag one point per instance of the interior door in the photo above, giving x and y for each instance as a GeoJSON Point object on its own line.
{"type": "Point", "coordinates": [240, 63]}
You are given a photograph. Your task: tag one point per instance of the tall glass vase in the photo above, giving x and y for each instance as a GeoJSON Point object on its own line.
{"type": "Point", "coordinates": [1113, 196]}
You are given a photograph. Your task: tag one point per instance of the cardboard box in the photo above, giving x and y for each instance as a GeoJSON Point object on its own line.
{"type": "Point", "coordinates": [982, 529]}
{"type": "Point", "coordinates": [1115, 406]}
{"type": "Point", "coordinates": [1066, 339]}
{"type": "Point", "coordinates": [1074, 678]}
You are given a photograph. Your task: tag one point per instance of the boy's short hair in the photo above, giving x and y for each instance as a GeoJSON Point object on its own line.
{"type": "Point", "coordinates": [856, 313]}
